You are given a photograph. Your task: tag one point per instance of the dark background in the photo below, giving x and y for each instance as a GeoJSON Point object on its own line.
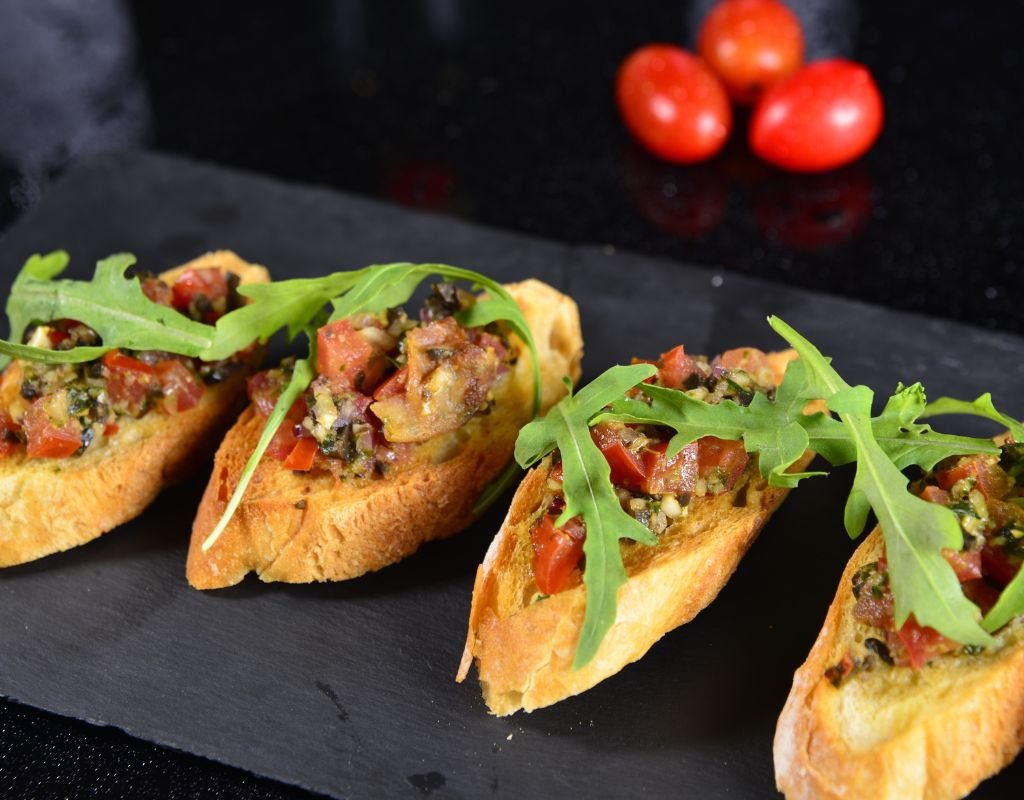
{"type": "Point", "coordinates": [503, 114]}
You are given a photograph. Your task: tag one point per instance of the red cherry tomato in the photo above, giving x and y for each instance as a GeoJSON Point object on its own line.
{"type": "Point", "coordinates": [826, 115]}
{"type": "Point", "coordinates": [673, 104]}
{"type": "Point", "coordinates": [751, 44]}
{"type": "Point", "coordinates": [556, 554]}
{"type": "Point", "coordinates": [46, 440]}
{"type": "Point", "coordinates": [302, 455]}
{"type": "Point", "coordinates": [182, 390]}
{"type": "Point", "coordinates": [348, 359]}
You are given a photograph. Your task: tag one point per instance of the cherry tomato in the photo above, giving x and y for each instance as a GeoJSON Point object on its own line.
{"type": "Point", "coordinates": [393, 385]}
{"type": "Point", "coordinates": [675, 475]}
{"type": "Point", "coordinates": [988, 478]}
{"type": "Point", "coordinates": [727, 457]}
{"type": "Point", "coordinates": [673, 104]}
{"type": "Point", "coordinates": [181, 388]}
{"type": "Point", "coordinates": [129, 381]}
{"type": "Point", "coordinates": [46, 440]}
{"type": "Point", "coordinates": [348, 359]}
{"type": "Point", "coordinates": [675, 368]}
{"type": "Point", "coordinates": [556, 554]}
{"type": "Point", "coordinates": [627, 469]}
{"type": "Point", "coordinates": [821, 117]}
{"type": "Point", "coordinates": [922, 643]}
{"type": "Point", "coordinates": [967, 566]}
{"type": "Point", "coordinates": [158, 291]}
{"type": "Point", "coordinates": [751, 44]}
{"type": "Point", "coordinates": [208, 283]}
{"type": "Point", "coordinates": [302, 455]}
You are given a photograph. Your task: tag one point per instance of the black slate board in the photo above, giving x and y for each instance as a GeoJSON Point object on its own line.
{"type": "Point", "coordinates": [347, 689]}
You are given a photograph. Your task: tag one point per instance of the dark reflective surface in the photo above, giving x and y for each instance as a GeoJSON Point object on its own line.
{"type": "Point", "coordinates": [504, 115]}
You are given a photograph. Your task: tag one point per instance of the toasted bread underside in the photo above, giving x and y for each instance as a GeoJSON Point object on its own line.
{"type": "Point", "coordinates": [524, 648]}
{"type": "Point", "coordinates": [892, 732]}
{"type": "Point", "coordinates": [52, 504]}
{"type": "Point", "coordinates": [302, 527]}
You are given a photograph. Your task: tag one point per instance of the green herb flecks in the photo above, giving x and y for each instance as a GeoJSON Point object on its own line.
{"type": "Point", "coordinates": [589, 494]}
{"type": "Point", "coordinates": [111, 304]}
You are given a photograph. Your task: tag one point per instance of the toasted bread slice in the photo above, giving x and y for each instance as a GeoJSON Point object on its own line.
{"type": "Point", "coordinates": [893, 732]}
{"type": "Point", "coordinates": [302, 527]}
{"type": "Point", "coordinates": [524, 650]}
{"type": "Point", "coordinates": [52, 504]}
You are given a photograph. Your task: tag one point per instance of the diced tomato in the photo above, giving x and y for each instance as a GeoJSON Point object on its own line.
{"type": "Point", "coordinates": [988, 478]}
{"type": "Point", "coordinates": [393, 385]}
{"type": "Point", "coordinates": [264, 390]}
{"type": "Point", "coordinates": [301, 456]}
{"type": "Point", "coordinates": [57, 336]}
{"type": "Point", "coordinates": [158, 291]}
{"type": "Point", "coordinates": [922, 644]}
{"type": "Point", "coordinates": [627, 468]}
{"type": "Point", "coordinates": [181, 388]}
{"type": "Point", "coordinates": [675, 368]}
{"type": "Point", "coordinates": [748, 359]}
{"type": "Point", "coordinates": [967, 566]}
{"type": "Point", "coordinates": [933, 494]}
{"type": "Point", "coordinates": [997, 565]}
{"type": "Point", "coordinates": [284, 440]}
{"type": "Point", "coordinates": [129, 381]}
{"type": "Point", "coordinates": [675, 475]}
{"type": "Point", "coordinates": [724, 455]}
{"type": "Point", "coordinates": [556, 554]}
{"type": "Point", "coordinates": [348, 359]}
{"type": "Point", "coordinates": [556, 473]}
{"type": "Point", "coordinates": [45, 440]}
{"type": "Point", "coordinates": [206, 281]}
{"type": "Point", "coordinates": [7, 423]}
{"type": "Point", "coordinates": [110, 429]}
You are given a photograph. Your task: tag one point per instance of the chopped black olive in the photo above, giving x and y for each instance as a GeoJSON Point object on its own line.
{"type": "Point", "coordinates": [878, 647]}
{"type": "Point", "coordinates": [88, 435]}
{"type": "Point", "coordinates": [29, 390]}
{"type": "Point", "coordinates": [1011, 460]}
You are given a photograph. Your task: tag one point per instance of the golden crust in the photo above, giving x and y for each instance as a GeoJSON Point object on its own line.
{"type": "Point", "coordinates": [893, 732]}
{"type": "Point", "coordinates": [524, 650]}
{"type": "Point", "coordinates": [309, 527]}
{"type": "Point", "coordinates": [51, 505]}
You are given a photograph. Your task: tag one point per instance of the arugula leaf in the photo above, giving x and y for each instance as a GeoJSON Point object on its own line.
{"type": "Point", "coordinates": [980, 407]}
{"type": "Point", "coordinates": [302, 376]}
{"type": "Point", "coordinates": [1009, 605]}
{"type": "Point", "coordinates": [589, 493]}
{"type": "Point", "coordinates": [915, 531]}
{"type": "Point", "coordinates": [111, 304]}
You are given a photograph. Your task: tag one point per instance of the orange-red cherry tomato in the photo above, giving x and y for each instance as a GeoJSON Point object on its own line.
{"type": "Point", "coordinates": [751, 44]}
{"type": "Point", "coordinates": [673, 104]}
{"type": "Point", "coordinates": [825, 115]}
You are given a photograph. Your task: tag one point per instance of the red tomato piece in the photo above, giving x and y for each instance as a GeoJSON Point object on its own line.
{"type": "Point", "coordinates": [181, 388]}
{"type": "Point", "coordinates": [45, 440]}
{"type": "Point", "coordinates": [967, 566]}
{"type": "Point", "coordinates": [129, 381]}
{"type": "Point", "coordinates": [922, 644]}
{"type": "Point", "coordinates": [207, 282]}
{"type": "Point", "coordinates": [348, 359]}
{"type": "Point", "coordinates": [7, 423]}
{"type": "Point", "coordinates": [556, 554]}
{"type": "Point", "coordinates": [675, 368]}
{"type": "Point", "coordinates": [724, 456]}
{"type": "Point", "coordinates": [675, 475]}
{"type": "Point", "coordinates": [627, 468]}
{"type": "Point", "coordinates": [283, 442]}
{"type": "Point", "coordinates": [748, 359]}
{"type": "Point", "coordinates": [751, 44]}
{"type": "Point", "coordinates": [933, 494]}
{"type": "Point", "coordinates": [393, 385]}
{"type": "Point", "coordinates": [110, 429]}
{"type": "Point", "coordinates": [302, 455]}
{"type": "Point", "coordinates": [158, 291]}
{"type": "Point", "coordinates": [673, 104]}
{"type": "Point", "coordinates": [825, 115]}
{"type": "Point", "coordinates": [988, 478]}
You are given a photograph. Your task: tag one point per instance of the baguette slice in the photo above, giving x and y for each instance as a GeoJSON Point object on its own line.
{"type": "Point", "coordinates": [892, 732]}
{"type": "Point", "coordinates": [524, 650]}
{"type": "Point", "coordinates": [302, 527]}
{"type": "Point", "coordinates": [52, 504]}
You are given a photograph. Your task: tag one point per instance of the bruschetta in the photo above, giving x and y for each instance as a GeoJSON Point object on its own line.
{"type": "Point", "coordinates": [405, 424]}
{"type": "Point", "coordinates": [86, 447]}
{"type": "Point", "coordinates": [876, 712]}
{"type": "Point", "coordinates": [705, 506]}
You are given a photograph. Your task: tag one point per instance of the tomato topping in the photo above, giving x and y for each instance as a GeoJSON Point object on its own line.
{"type": "Point", "coordinates": [988, 478]}
{"type": "Point", "coordinates": [129, 381]}
{"type": "Point", "coordinates": [824, 116]}
{"type": "Point", "coordinates": [181, 388]}
{"type": "Point", "coordinates": [301, 456]}
{"type": "Point", "coordinates": [933, 494]}
{"type": "Point", "coordinates": [725, 456]}
{"type": "Point", "coordinates": [675, 368]}
{"type": "Point", "coordinates": [556, 473]}
{"type": "Point", "coordinates": [998, 565]}
{"type": "Point", "coordinates": [393, 385]}
{"type": "Point", "coordinates": [7, 423]}
{"type": "Point", "coordinates": [556, 554]}
{"type": "Point", "coordinates": [57, 336]}
{"type": "Point", "coordinates": [158, 291]}
{"type": "Point", "coordinates": [110, 429]}
{"type": "Point", "coordinates": [208, 283]}
{"type": "Point", "coordinates": [675, 475]}
{"type": "Point", "coordinates": [748, 359]}
{"type": "Point", "coordinates": [348, 359]}
{"type": "Point", "coordinates": [673, 104]}
{"type": "Point", "coordinates": [922, 644]}
{"type": "Point", "coordinates": [627, 468]}
{"type": "Point", "coordinates": [45, 440]}
{"type": "Point", "coordinates": [967, 566]}
{"type": "Point", "coordinates": [751, 44]}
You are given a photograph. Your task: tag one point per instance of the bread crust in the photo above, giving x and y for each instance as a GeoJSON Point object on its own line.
{"type": "Point", "coordinates": [893, 732]}
{"type": "Point", "coordinates": [524, 650]}
{"type": "Point", "coordinates": [302, 527]}
{"type": "Point", "coordinates": [49, 505]}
